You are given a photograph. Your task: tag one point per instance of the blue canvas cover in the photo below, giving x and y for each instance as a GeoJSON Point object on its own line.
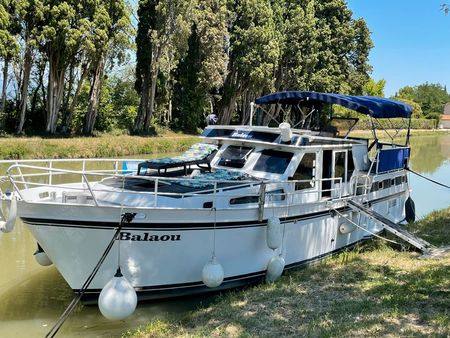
{"type": "Point", "coordinates": [392, 159]}
{"type": "Point", "coordinates": [376, 107]}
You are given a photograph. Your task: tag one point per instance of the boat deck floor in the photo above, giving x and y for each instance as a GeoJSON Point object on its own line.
{"type": "Point", "coordinates": [135, 183]}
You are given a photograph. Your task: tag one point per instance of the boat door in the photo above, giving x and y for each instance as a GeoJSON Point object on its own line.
{"type": "Point", "coordinates": [334, 165]}
{"type": "Point", "coordinates": [327, 171]}
{"type": "Point", "coordinates": [339, 173]}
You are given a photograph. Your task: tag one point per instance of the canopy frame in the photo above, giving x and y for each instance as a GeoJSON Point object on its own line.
{"type": "Point", "coordinates": [374, 107]}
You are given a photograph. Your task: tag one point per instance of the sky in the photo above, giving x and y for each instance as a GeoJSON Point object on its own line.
{"type": "Point", "coordinates": [411, 38]}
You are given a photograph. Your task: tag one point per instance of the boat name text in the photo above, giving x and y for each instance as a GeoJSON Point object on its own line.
{"type": "Point", "coordinates": [127, 236]}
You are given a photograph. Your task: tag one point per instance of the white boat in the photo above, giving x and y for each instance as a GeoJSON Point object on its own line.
{"type": "Point", "coordinates": [262, 198]}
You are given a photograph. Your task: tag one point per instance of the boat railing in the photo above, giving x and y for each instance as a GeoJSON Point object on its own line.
{"type": "Point", "coordinates": [24, 176]}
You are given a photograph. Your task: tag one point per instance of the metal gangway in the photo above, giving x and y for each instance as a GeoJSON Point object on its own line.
{"type": "Point", "coordinates": [392, 227]}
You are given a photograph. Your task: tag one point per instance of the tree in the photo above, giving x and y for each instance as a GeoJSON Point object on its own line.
{"type": "Point", "coordinates": [430, 96]}
{"type": "Point", "coordinates": [189, 94]}
{"type": "Point", "coordinates": [374, 88]}
{"type": "Point", "coordinates": [112, 30]}
{"type": "Point", "coordinates": [26, 14]}
{"type": "Point", "coordinates": [162, 35]}
{"type": "Point", "coordinates": [254, 50]}
{"type": "Point", "coordinates": [9, 47]}
{"type": "Point", "coordinates": [62, 30]}
{"type": "Point", "coordinates": [202, 69]}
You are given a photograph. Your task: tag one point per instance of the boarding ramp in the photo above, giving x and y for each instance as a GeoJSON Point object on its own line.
{"type": "Point", "coordinates": [392, 227]}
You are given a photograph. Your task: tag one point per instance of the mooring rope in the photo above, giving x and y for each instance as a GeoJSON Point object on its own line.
{"type": "Point", "coordinates": [429, 179]}
{"type": "Point", "coordinates": [127, 217]}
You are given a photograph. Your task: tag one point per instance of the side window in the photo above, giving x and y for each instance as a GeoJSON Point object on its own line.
{"type": "Point", "coordinates": [339, 165]}
{"type": "Point", "coordinates": [350, 165]}
{"type": "Point", "coordinates": [305, 172]}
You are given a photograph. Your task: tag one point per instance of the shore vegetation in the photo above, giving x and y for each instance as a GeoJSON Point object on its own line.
{"type": "Point", "coordinates": [374, 290]}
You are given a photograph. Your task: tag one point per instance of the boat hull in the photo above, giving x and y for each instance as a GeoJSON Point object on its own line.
{"type": "Point", "coordinates": [164, 260]}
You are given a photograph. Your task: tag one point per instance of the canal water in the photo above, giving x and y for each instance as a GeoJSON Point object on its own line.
{"type": "Point", "coordinates": [33, 297]}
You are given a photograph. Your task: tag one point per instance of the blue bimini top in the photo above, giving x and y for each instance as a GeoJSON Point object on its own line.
{"type": "Point", "coordinates": [376, 107]}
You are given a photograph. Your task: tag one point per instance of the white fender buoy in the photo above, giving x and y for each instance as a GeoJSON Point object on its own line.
{"type": "Point", "coordinates": [212, 273]}
{"type": "Point", "coordinates": [275, 268]}
{"type": "Point", "coordinates": [118, 298]}
{"type": "Point", "coordinates": [274, 235]}
{"type": "Point", "coordinates": [41, 257]}
{"type": "Point", "coordinates": [8, 225]}
{"type": "Point", "coordinates": [285, 131]}
{"type": "Point", "coordinates": [346, 228]}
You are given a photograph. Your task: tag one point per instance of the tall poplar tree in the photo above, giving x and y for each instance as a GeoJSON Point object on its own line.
{"type": "Point", "coordinates": [162, 35]}
{"type": "Point", "coordinates": [202, 69]}
{"type": "Point", "coordinates": [112, 29]}
{"type": "Point", "coordinates": [254, 50]}
{"type": "Point", "coordinates": [9, 47]}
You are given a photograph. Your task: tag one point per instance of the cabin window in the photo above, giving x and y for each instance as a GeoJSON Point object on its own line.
{"type": "Point", "coordinates": [244, 200]}
{"type": "Point", "coordinates": [339, 165]}
{"type": "Point", "coordinates": [350, 165]}
{"type": "Point", "coordinates": [273, 161]}
{"type": "Point", "coordinates": [398, 180]}
{"type": "Point", "coordinates": [235, 156]}
{"type": "Point", "coordinates": [271, 196]}
{"type": "Point", "coordinates": [306, 171]}
{"type": "Point", "coordinates": [374, 186]}
{"type": "Point", "coordinates": [276, 195]}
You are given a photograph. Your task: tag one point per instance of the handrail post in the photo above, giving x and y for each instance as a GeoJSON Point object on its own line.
{"type": "Point", "coordinates": [215, 201]}
{"type": "Point", "coordinates": [50, 176]}
{"type": "Point", "coordinates": [156, 191]}
{"type": "Point", "coordinates": [83, 168]}
{"type": "Point", "coordinates": [21, 175]}
{"type": "Point", "coordinates": [90, 189]}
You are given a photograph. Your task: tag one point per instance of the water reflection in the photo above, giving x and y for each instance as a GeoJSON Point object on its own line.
{"type": "Point", "coordinates": [33, 297]}
{"type": "Point", "coordinates": [429, 152]}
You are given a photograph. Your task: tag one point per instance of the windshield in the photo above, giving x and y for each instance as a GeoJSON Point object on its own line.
{"type": "Point", "coordinates": [235, 156]}
{"type": "Point", "coordinates": [273, 161]}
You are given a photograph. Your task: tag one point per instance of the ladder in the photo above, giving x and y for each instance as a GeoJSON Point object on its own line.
{"type": "Point", "coordinates": [392, 227]}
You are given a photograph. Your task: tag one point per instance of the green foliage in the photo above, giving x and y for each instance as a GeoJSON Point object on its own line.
{"type": "Point", "coordinates": [118, 105]}
{"type": "Point", "coordinates": [9, 46]}
{"type": "Point", "coordinates": [147, 16]}
{"type": "Point", "coordinates": [374, 88]}
{"type": "Point", "coordinates": [430, 96]}
{"type": "Point", "coordinates": [189, 95]}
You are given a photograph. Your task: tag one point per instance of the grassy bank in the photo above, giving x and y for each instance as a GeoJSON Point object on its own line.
{"type": "Point", "coordinates": [374, 290]}
{"type": "Point", "coordinates": [88, 147]}
{"type": "Point", "coordinates": [111, 145]}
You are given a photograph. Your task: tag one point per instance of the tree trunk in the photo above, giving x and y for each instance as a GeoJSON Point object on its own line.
{"type": "Point", "coordinates": [24, 88]}
{"type": "Point", "coordinates": [68, 118]}
{"type": "Point", "coordinates": [151, 102]}
{"type": "Point", "coordinates": [55, 91]}
{"type": "Point", "coordinates": [143, 105]}
{"type": "Point", "coordinates": [40, 85]}
{"type": "Point", "coordinates": [4, 88]}
{"type": "Point", "coordinates": [65, 107]}
{"type": "Point", "coordinates": [94, 97]}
